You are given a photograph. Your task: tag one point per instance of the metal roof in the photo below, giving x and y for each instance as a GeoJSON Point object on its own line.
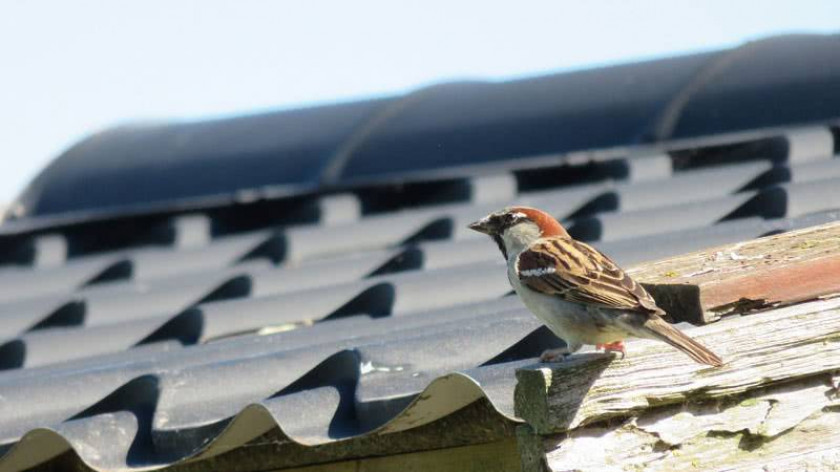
{"type": "Point", "coordinates": [329, 318]}
{"type": "Point", "coordinates": [766, 83]}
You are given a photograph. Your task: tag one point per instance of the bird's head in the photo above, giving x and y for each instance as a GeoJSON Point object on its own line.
{"type": "Point", "coordinates": [516, 228]}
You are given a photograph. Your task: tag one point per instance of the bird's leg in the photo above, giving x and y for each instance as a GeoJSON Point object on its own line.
{"type": "Point", "coordinates": [617, 346]}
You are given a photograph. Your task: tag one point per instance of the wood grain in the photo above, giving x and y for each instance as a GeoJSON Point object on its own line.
{"type": "Point", "coordinates": [778, 270]}
{"type": "Point", "coordinates": [493, 457]}
{"type": "Point", "coordinates": [759, 350]}
{"type": "Point", "coordinates": [777, 428]}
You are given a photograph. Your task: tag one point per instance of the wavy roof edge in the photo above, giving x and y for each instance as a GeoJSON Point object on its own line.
{"type": "Point", "coordinates": [444, 395]}
{"type": "Point", "coordinates": [171, 166]}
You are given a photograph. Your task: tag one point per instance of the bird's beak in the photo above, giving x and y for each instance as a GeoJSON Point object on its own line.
{"type": "Point", "coordinates": [482, 226]}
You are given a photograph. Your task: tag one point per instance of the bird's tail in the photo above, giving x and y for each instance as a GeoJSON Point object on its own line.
{"type": "Point", "coordinates": [661, 329]}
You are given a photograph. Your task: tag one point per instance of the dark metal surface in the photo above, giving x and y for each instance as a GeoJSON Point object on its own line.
{"type": "Point", "coordinates": [158, 166]}
{"type": "Point", "coordinates": [147, 353]}
{"type": "Point", "coordinates": [144, 341]}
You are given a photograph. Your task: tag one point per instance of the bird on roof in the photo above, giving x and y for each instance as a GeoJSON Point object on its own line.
{"type": "Point", "coordinates": [578, 292]}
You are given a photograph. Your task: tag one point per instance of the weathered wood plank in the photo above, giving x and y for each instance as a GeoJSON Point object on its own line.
{"type": "Point", "coordinates": [767, 429]}
{"type": "Point", "coordinates": [815, 461]}
{"type": "Point", "coordinates": [759, 350]}
{"type": "Point", "coordinates": [477, 423]}
{"type": "Point", "coordinates": [531, 449]}
{"type": "Point", "coordinates": [783, 269]}
{"type": "Point", "coordinates": [493, 457]}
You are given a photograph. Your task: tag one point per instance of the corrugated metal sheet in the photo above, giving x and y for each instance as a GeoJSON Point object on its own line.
{"type": "Point", "coordinates": [771, 82]}
{"type": "Point", "coordinates": [194, 333]}
{"type": "Point", "coordinates": [298, 287]}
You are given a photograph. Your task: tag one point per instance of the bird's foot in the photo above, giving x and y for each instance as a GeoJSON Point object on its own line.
{"type": "Point", "coordinates": [617, 346]}
{"type": "Point", "coordinates": [554, 355]}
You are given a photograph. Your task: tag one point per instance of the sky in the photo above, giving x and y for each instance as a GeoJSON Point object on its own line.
{"type": "Point", "coordinates": [68, 69]}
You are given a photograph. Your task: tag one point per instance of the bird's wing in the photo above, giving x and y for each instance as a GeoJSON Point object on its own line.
{"type": "Point", "coordinates": [577, 272]}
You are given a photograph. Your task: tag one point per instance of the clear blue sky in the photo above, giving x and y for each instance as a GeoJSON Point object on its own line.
{"type": "Point", "coordinates": [68, 68]}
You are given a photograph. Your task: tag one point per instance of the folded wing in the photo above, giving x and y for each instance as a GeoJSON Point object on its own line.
{"type": "Point", "coordinates": [577, 272]}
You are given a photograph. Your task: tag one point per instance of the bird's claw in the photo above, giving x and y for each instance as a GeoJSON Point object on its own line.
{"type": "Point", "coordinates": [617, 346]}
{"type": "Point", "coordinates": [554, 355]}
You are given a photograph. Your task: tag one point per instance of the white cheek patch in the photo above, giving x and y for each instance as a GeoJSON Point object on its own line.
{"type": "Point", "coordinates": [538, 272]}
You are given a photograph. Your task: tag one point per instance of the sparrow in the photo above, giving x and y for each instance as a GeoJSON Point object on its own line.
{"type": "Point", "coordinates": [578, 292]}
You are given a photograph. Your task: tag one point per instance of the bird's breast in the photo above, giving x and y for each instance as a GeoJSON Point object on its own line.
{"type": "Point", "coordinates": [573, 322]}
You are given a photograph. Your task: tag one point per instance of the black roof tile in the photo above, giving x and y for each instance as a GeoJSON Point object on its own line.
{"type": "Point", "coordinates": [772, 82]}
{"type": "Point", "coordinates": [749, 87]}
{"type": "Point", "coordinates": [323, 313]}
{"type": "Point", "coordinates": [29, 282]}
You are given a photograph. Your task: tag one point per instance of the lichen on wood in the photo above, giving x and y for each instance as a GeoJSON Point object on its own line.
{"type": "Point", "coordinates": [761, 428]}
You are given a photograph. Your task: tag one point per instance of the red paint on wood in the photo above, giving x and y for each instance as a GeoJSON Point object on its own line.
{"type": "Point", "coordinates": [785, 284]}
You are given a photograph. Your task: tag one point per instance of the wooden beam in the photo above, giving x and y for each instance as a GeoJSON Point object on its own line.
{"type": "Point", "coordinates": [493, 457]}
{"type": "Point", "coordinates": [774, 404]}
{"type": "Point", "coordinates": [789, 427]}
{"type": "Point", "coordinates": [476, 424]}
{"type": "Point", "coordinates": [759, 350]}
{"type": "Point", "coordinates": [778, 270]}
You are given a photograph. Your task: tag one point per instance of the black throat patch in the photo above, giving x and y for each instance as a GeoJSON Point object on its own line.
{"type": "Point", "coordinates": [501, 244]}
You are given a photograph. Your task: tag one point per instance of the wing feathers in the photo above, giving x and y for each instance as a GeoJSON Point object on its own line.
{"type": "Point", "coordinates": [577, 272]}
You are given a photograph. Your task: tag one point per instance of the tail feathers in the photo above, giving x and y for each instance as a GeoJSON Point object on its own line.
{"type": "Point", "coordinates": [661, 329]}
